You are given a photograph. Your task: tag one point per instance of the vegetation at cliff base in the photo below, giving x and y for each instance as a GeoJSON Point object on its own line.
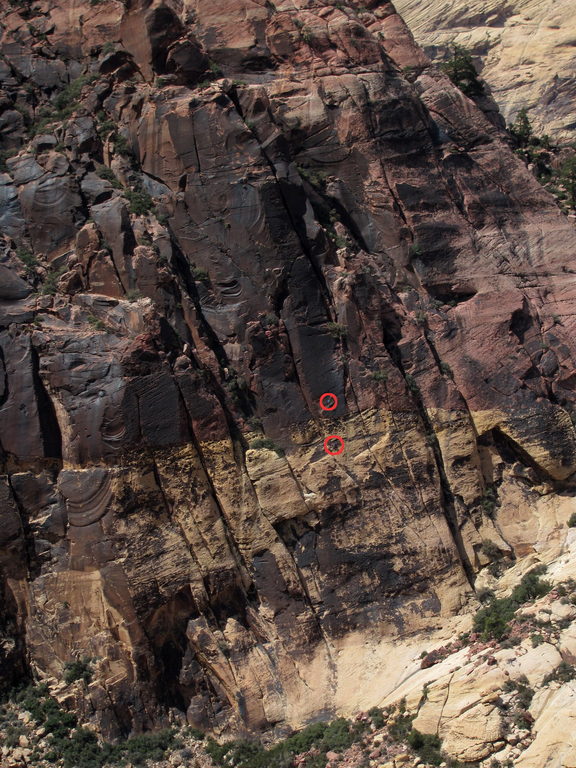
{"type": "Point", "coordinates": [493, 621]}
{"type": "Point", "coordinates": [563, 673]}
{"type": "Point", "coordinates": [319, 737]}
{"type": "Point", "coordinates": [75, 746]}
{"type": "Point", "coordinates": [78, 670]}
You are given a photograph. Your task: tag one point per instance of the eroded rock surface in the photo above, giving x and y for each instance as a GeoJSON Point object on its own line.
{"type": "Point", "coordinates": [524, 50]}
{"type": "Point", "coordinates": [249, 205]}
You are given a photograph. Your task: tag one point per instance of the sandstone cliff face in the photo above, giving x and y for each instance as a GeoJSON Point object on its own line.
{"type": "Point", "coordinates": [524, 50]}
{"type": "Point", "coordinates": [324, 219]}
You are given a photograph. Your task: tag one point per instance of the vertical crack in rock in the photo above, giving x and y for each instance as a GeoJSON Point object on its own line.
{"type": "Point", "coordinates": [49, 427]}
{"type": "Point", "coordinates": [248, 245]}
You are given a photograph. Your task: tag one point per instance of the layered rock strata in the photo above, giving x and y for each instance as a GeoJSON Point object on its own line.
{"type": "Point", "coordinates": [248, 205]}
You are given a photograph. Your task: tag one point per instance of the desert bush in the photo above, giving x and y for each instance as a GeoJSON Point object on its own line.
{"type": "Point", "coordinates": [493, 620]}
{"type": "Point", "coordinates": [376, 716]}
{"type": "Point", "coordinates": [108, 175]}
{"type": "Point", "coordinates": [27, 258]}
{"type": "Point", "coordinates": [380, 375]}
{"type": "Point", "coordinates": [412, 384]}
{"type": "Point", "coordinates": [96, 323]}
{"type": "Point", "coordinates": [265, 442]}
{"type": "Point", "coordinates": [80, 669]}
{"type": "Point", "coordinates": [563, 673]}
{"type": "Point", "coordinates": [337, 330]}
{"type": "Point", "coordinates": [199, 274]}
{"type": "Point", "coordinates": [491, 550]}
{"type": "Point", "coordinates": [426, 745]}
{"type": "Point", "coordinates": [50, 285]}
{"type": "Point", "coordinates": [335, 736]}
{"type": "Point", "coordinates": [140, 201]}
{"type": "Point", "coordinates": [462, 72]}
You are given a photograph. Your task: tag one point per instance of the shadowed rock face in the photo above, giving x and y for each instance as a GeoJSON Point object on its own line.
{"type": "Point", "coordinates": [321, 224]}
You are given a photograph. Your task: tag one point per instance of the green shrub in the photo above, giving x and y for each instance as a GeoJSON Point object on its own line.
{"type": "Point", "coordinates": [27, 258]}
{"type": "Point", "coordinates": [78, 747]}
{"type": "Point", "coordinates": [376, 716]}
{"type": "Point", "coordinates": [12, 735]}
{"type": "Point", "coordinates": [525, 695]}
{"type": "Point", "coordinates": [340, 241]}
{"type": "Point", "coordinates": [421, 317]}
{"type": "Point", "coordinates": [6, 154]}
{"type": "Point", "coordinates": [140, 201]}
{"type": "Point", "coordinates": [336, 330]}
{"type": "Point", "coordinates": [270, 321]}
{"type": "Point", "coordinates": [523, 720]}
{"type": "Point", "coordinates": [488, 501]}
{"type": "Point", "coordinates": [105, 126]}
{"type": "Point", "coordinates": [65, 103]}
{"type": "Point", "coordinates": [426, 745]}
{"type": "Point", "coordinates": [462, 72]}
{"type": "Point", "coordinates": [195, 733]}
{"type": "Point", "coordinates": [133, 294]}
{"type": "Point", "coordinates": [199, 274]}
{"type": "Point", "coordinates": [380, 375]}
{"type": "Point", "coordinates": [491, 550]}
{"type": "Point", "coordinates": [568, 178]}
{"type": "Point", "coordinates": [33, 700]}
{"type": "Point", "coordinates": [122, 147]}
{"type": "Point", "coordinates": [493, 620]}
{"type": "Point", "coordinates": [316, 178]}
{"type": "Point", "coordinates": [59, 723]}
{"type": "Point", "coordinates": [521, 130]}
{"type": "Point", "coordinates": [335, 736]}
{"type": "Point", "coordinates": [572, 520]}
{"type": "Point", "coordinates": [96, 323]}
{"type": "Point", "coordinates": [412, 384]}
{"type": "Point", "coordinates": [67, 100]}
{"type": "Point", "coordinates": [531, 587]}
{"type": "Point", "coordinates": [50, 286]}
{"type": "Point", "coordinates": [108, 175]}
{"type": "Point", "coordinates": [485, 594]}
{"type": "Point", "coordinates": [237, 387]}
{"type": "Point", "coordinates": [264, 442]}
{"type": "Point", "coordinates": [80, 669]}
{"type": "Point", "coordinates": [81, 750]}
{"type": "Point", "coordinates": [145, 746]}
{"type": "Point", "coordinates": [563, 673]}
{"type": "Point", "coordinates": [402, 726]}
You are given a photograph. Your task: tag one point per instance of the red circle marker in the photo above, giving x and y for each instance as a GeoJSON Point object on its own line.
{"type": "Point", "coordinates": [333, 437]}
{"type": "Point", "coordinates": [325, 407]}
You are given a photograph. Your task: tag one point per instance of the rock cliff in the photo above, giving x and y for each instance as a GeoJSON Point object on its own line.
{"type": "Point", "coordinates": [524, 49]}
{"type": "Point", "coordinates": [212, 214]}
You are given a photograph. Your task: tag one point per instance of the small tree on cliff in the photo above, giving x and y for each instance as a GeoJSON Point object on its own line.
{"type": "Point", "coordinates": [568, 177]}
{"type": "Point", "coordinates": [461, 70]}
{"type": "Point", "coordinates": [521, 129]}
